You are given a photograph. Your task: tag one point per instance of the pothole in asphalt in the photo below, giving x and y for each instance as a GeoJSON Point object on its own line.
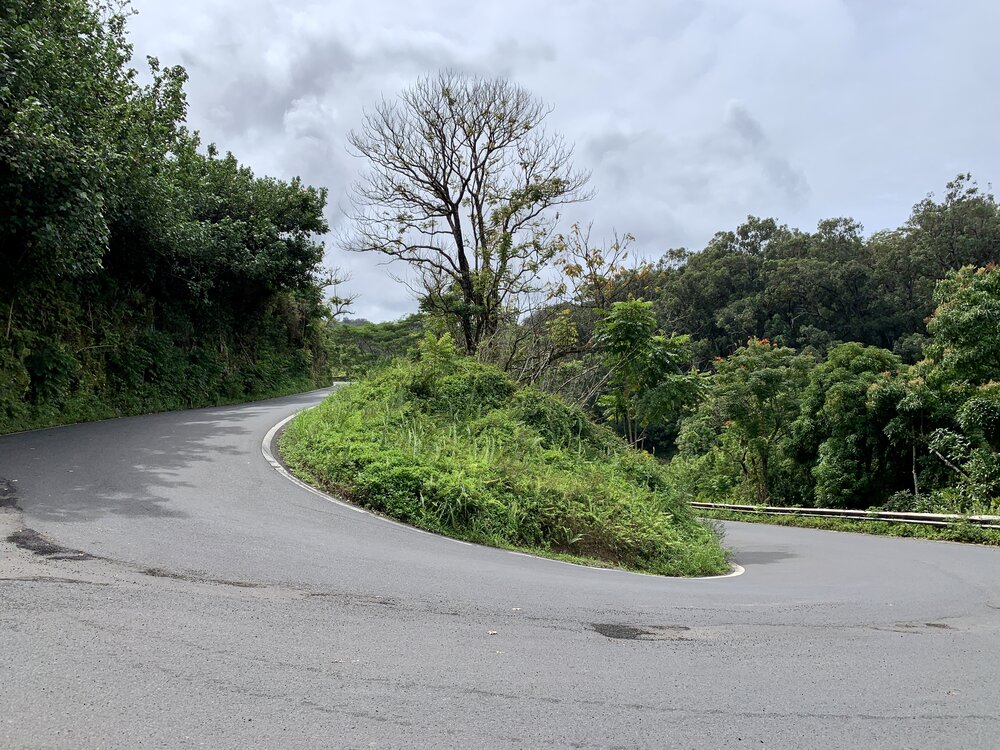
{"type": "Point", "coordinates": [31, 540]}
{"type": "Point", "coordinates": [644, 633]}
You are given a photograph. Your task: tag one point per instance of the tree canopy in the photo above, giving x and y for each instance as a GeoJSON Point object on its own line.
{"type": "Point", "coordinates": [812, 289]}
{"type": "Point", "coordinates": [140, 269]}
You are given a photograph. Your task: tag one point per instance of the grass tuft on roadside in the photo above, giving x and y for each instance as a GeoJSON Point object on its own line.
{"type": "Point", "coordinates": [453, 446]}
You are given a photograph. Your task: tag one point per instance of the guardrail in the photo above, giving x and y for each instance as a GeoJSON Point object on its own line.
{"type": "Point", "coordinates": [927, 519]}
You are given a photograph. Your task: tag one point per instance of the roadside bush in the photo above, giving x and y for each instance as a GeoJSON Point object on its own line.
{"type": "Point", "coordinates": [52, 369]}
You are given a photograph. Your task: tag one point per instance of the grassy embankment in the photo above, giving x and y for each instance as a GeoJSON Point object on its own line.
{"type": "Point", "coordinates": [455, 447]}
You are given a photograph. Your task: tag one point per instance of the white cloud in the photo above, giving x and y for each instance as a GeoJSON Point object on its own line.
{"type": "Point", "coordinates": [690, 114]}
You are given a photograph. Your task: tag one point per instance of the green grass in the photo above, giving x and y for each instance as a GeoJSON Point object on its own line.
{"type": "Point", "coordinates": [957, 532]}
{"type": "Point", "coordinates": [452, 446]}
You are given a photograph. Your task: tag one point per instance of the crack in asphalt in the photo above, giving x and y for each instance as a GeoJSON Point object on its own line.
{"type": "Point", "coordinates": [191, 578]}
{"type": "Point", "coordinates": [50, 579]}
{"type": "Point", "coordinates": [663, 709]}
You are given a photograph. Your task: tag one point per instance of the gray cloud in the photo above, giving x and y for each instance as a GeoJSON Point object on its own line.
{"type": "Point", "coordinates": [777, 169]}
{"type": "Point", "coordinates": [661, 183]}
{"type": "Point", "coordinates": [691, 114]}
{"type": "Point", "coordinates": [742, 122]}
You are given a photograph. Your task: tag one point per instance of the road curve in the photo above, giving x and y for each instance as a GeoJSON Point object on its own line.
{"type": "Point", "coordinates": [174, 590]}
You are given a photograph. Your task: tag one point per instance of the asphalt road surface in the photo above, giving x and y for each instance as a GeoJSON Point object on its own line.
{"type": "Point", "coordinates": [168, 588]}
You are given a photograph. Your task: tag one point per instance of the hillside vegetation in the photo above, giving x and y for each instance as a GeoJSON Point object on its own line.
{"type": "Point", "coordinates": [455, 446]}
{"type": "Point", "coordinates": [144, 270]}
{"type": "Point", "coordinates": [778, 366]}
{"type": "Point", "coordinates": [789, 368]}
{"type": "Point", "coordinates": [858, 427]}
{"type": "Point", "coordinates": [141, 270]}
{"type": "Point", "coordinates": [813, 289]}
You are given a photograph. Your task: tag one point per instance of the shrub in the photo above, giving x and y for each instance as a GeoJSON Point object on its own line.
{"type": "Point", "coordinates": [451, 445]}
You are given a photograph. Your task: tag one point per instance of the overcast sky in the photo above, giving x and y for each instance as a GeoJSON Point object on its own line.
{"type": "Point", "coordinates": [691, 115]}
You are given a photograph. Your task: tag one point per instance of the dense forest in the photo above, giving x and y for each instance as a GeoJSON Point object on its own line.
{"type": "Point", "coordinates": [808, 290]}
{"type": "Point", "coordinates": [840, 370]}
{"type": "Point", "coordinates": [141, 269]}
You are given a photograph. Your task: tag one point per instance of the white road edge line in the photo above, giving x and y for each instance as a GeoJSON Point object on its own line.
{"type": "Point", "coordinates": [265, 449]}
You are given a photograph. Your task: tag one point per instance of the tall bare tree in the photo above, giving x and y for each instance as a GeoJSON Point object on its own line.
{"type": "Point", "coordinates": [462, 182]}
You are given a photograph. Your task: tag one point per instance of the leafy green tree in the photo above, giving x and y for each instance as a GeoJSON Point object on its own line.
{"type": "Point", "coordinates": [714, 295]}
{"type": "Point", "coordinates": [963, 364]}
{"type": "Point", "coordinates": [139, 270]}
{"type": "Point", "coordinates": [818, 281]}
{"type": "Point", "coordinates": [944, 410]}
{"type": "Point", "coordinates": [816, 289]}
{"type": "Point", "coordinates": [647, 383]}
{"type": "Point", "coordinates": [749, 412]}
{"type": "Point", "coordinates": [64, 90]}
{"type": "Point", "coordinates": [965, 327]}
{"type": "Point", "coordinates": [841, 433]}
{"type": "Point", "coordinates": [962, 229]}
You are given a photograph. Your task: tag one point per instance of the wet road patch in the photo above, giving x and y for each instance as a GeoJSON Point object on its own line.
{"type": "Point", "coordinates": [32, 541]}
{"type": "Point", "coordinates": [644, 633]}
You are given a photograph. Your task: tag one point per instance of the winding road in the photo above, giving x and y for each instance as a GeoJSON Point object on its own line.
{"type": "Point", "coordinates": [161, 585]}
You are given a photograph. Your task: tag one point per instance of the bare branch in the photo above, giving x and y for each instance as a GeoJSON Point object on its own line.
{"type": "Point", "coordinates": [461, 180]}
